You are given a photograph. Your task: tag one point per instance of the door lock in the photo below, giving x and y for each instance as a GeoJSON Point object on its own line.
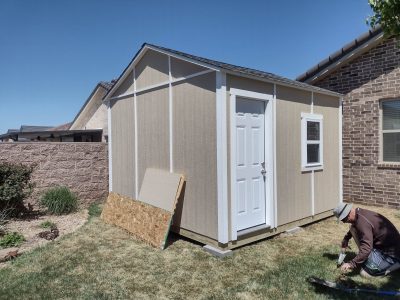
{"type": "Point", "coordinates": [263, 171]}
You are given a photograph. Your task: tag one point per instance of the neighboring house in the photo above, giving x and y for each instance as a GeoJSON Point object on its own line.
{"type": "Point", "coordinates": [260, 153]}
{"type": "Point", "coordinates": [367, 72]}
{"type": "Point", "coordinates": [51, 134]}
{"type": "Point", "coordinates": [93, 114]}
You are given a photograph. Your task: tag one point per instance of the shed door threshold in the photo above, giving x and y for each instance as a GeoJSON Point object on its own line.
{"type": "Point", "coordinates": [253, 229]}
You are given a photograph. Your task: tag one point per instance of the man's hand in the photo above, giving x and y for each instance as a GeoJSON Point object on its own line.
{"type": "Point", "coordinates": [346, 267]}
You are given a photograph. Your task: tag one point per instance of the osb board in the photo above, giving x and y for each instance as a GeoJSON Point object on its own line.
{"type": "Point", "coordinates": [160, 188]}
{"type": "Point", "coordinates": [146, 222]}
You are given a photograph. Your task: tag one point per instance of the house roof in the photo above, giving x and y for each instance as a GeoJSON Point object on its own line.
{"type": "Point", "coordinates": [31, 128]}
{"type": "Point", "coordinates": [344, 54]}
{"type": "Point", "coordinates": [107, 85]}
{"type": "Point", "coordinates": [48, 133]}
{"type": "Point", "coordinates": [221, 66]}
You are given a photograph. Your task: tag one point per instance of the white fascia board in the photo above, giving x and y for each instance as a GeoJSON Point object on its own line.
{"type": "Point", "coordinates": [356, 52]}
{"type": "Point", "coordinates": [222, 154]}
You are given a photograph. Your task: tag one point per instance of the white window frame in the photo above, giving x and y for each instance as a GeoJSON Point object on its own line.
{"type": "Point", "coordinates": [305, 117]}
{"type": "Point", "coordinates": [382, 131]}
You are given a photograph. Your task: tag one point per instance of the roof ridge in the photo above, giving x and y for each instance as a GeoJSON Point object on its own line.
{"type": "Point", "coordinates": [343, 51]}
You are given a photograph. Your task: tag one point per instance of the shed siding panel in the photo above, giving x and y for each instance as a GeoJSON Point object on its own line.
{"type": "Point", "coordinates": [326, 182]}
{"type": "Point", "coordinates": [123, 147]}
{"type": "Point", "coordinates": [194, 155]}
{"type": "Point", "coordinates": [180, 68]}
{"type": "Point", "coordinates": [126, 86]}
{"type": "Point", "coordinates": [293, 186]}
{"type": "Point", "coordinates": [153, 131]}
{"type": "Point", "coordinates": [152, 69]}
{"type": "Point", "coordinates": [249, 85]}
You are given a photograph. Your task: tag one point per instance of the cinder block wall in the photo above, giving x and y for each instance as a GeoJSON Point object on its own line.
{"type": "Point", "coordinates": [82, 167]}
{"type": "Point", "coordinates": [369, 78]}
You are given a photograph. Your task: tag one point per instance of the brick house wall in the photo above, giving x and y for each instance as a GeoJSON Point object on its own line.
{"type": "Point", "coordinates": [365, 81]}
{"type": "Point", "coordinates": [82, 167]}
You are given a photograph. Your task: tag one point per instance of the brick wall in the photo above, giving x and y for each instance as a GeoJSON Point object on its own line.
{"type": "Point", "coordinates": [83, 167]}
{"type": "Point", "coordinates": [365, 81]}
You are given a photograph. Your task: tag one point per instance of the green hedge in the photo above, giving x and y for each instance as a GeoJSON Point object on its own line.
{"type": "Point", "coordinates": [15, 186]}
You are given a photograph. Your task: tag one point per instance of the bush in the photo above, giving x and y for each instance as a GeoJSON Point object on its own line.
{"type": "Point", "coordinates": [15, 186]}
{"type": "Point", "coordinates": [48, 224]}
{"type": "Point", "coordinates": [59, 200]}
{"type": "Point", "coordinates": [95, 210]}
{"type": "Point", "coordinates": [12, 239]}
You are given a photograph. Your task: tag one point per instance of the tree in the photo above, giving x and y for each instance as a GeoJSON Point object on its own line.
{"type": "Point", "coordinates": [386, 14]}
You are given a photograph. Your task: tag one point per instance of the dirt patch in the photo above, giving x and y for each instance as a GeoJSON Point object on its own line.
{"type": "Point", "coordinates": [30, 228]}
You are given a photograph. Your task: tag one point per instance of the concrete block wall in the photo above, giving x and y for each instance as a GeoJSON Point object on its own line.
{"type": "Point", "coordinates": [365, 81]}
{"type": "Point", "coordinates": [82, 167]}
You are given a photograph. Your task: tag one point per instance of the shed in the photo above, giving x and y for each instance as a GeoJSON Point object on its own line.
{"type": "Point", "coordinates": [261, 154]}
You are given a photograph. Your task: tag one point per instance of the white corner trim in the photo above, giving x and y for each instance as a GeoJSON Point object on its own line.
{"type": "Point", "coordinates": [275, 186]}
{"type": "Point", "coordinates": [340, 150]}
{"type": "Point", "coordinates": [222, 168]}
{"type": "Point", "coordinates": [270, 156]}
{"type": "Point", "coordinates": [135, 115]}
{"type": "Point", "coordinates": [171, 140]}
{"type": "Point", "coordinates": [110, 182]}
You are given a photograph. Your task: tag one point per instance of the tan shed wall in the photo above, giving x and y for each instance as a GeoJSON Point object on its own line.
{"type": "Point", "coordinates": [123, 147]}
{"type": "Point", "coordinates": [151, 69]}
{"type": "Point", "coordinates": [180, 68]}
{"type": "Point", "coordinates": [293, 186]}
{"type": "Point", "coordinates": [326, 182]}
{"type": "Point", "coordinates": [153, 131]}
{"type": "Point", "coordinates": [194, 153]}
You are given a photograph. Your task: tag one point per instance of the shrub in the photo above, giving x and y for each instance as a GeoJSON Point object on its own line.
{"type": "Point", "coordinates": [48, 224]}
{"type": "Point", "coordinates": [11, 239]}
{"type": "Point", "coordinates": [94, 210]}
{"type": "Point", "coordinates": [59, 200]}
{"type": "Point", "coordinates": [15, 186]}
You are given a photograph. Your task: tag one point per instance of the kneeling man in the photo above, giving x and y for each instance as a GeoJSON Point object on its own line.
{"type": "Point", "coordinates": [377, 239]}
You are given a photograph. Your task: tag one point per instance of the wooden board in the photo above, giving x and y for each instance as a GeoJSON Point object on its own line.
{"type": "Point", "coordinates": [147, 222]}
{"type": "Point", "coordinates": [159, 188]}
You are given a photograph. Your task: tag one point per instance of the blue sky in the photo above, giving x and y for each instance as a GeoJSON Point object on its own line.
{"type": "Point", "coordinates": [53, 52]}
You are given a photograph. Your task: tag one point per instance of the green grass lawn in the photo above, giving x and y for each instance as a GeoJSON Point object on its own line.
{"type": "Point", "coordinates": [100, 261]}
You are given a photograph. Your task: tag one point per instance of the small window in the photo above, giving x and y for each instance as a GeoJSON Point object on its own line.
{"type": "Point", "coordinates": [311, 142]}
{"type": "Point", "coordinates": [391, 131]}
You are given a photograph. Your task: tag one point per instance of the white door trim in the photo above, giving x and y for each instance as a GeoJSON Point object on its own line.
{"type": "Point", "coordinates": [222, 161]}
{"type": "Point", "coordinates": [269, 155]}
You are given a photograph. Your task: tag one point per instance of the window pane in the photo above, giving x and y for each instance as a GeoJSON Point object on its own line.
{"type": "Point", "coordinates": [312, 131]}
{"type": "Point", "coordinates": [312, 153]}
{"type": "Point", "coordinates": [391, 115]}
{"type": "Point", "coordinates": [391, 147]}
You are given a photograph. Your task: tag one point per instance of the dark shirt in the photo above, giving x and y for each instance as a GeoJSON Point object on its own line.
{"type": "Point", "coordinates": [373, 231]}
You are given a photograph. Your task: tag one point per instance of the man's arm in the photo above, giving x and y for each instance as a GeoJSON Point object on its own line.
{"type": "Point", "coordinates": [346, 239]}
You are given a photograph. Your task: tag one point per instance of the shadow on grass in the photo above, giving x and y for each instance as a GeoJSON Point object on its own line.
{"type": "Point", "coordinates": [290, 280]}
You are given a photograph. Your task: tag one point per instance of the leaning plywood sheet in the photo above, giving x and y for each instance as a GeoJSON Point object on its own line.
{"type": "Point", "coordinates": [160, 188]}
{"type": "Point", "coordinates": [147, 222]}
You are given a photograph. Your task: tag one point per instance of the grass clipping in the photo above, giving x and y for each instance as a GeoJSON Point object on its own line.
{"type": "Point", "coordinates": [146, 222]}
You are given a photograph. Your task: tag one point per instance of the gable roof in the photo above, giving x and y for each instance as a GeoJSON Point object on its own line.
{"type": "Point", "coordinates": [217, 66]}
{"type": "Point", "coordinates": [348, 52]}
{"type": "Point", "coordinates": [107, 85]}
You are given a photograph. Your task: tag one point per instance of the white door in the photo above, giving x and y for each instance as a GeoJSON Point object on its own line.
{"type": "Point", "coordinates": [250, 163]}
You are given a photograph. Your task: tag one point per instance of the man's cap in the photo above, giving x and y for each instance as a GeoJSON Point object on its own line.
{"type": "Point", "coordinates": [342, 210]}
